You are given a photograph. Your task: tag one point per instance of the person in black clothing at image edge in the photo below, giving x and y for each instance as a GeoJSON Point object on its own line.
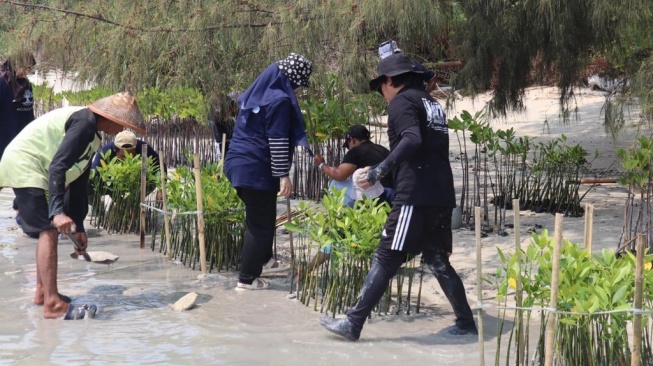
{"type": "Point", "coordinates": [16, 106]}
{"type": "Point", "coordinates": [420, 219]}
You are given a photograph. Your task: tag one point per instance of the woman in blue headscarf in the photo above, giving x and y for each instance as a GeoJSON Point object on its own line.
{"type": "Point", "coordinates": [268, 128]}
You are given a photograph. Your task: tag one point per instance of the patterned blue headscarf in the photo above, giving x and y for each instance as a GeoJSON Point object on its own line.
{"type": "Point", "coordinates": [296, 68]}
{"type": "Point", "coordinates": [271, 85]}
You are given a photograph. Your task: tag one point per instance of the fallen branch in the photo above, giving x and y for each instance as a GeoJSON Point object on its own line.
{"type": "Point", "coordinates": [285, 217]}
{"type": "Point", "coordinates": [442, 65]}
{"type": "Point", "coordinates": [598, 180]}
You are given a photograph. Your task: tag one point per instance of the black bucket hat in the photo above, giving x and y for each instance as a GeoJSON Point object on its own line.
{"type": "Point", "coordinates": [393, 65]}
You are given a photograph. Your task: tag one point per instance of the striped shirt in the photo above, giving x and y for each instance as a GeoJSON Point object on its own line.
{"type": "Point", "coordinates": [279, 148]}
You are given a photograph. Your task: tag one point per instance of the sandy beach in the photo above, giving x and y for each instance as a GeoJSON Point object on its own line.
{"type": "Point", "coordinates": [136, 326]}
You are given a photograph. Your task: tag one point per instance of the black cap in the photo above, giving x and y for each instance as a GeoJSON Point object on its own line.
{"type": "Point", "coordinates": [393, 65]}
{"type": "Point", "coordinates": [357, 132]}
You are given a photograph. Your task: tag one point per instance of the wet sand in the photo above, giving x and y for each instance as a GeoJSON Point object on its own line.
{"type": "Point", "coordinates": [135, 325]}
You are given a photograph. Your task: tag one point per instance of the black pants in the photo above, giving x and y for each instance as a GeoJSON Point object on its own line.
{"type": "Point", "coordinates": [387, 262]}
{"type": "Point", "coordinates": [32, 204]}
{"type": "Point", "coordinates": [260, 218]}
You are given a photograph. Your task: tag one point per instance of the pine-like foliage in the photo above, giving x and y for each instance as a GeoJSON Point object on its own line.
{"type": "Point", "coordinates": [218, 46]}
{"type": "Point", "coordinates": [509, 44]}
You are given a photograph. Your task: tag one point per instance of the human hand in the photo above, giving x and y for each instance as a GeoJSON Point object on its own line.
{"type": "Point", "coordinates": [63, 223]}
{"type": "Point", "coordinates": [286, 187]}
{"type": "Point", "coordinates": [361, 179]}
{"type": "Point", "coordinates": [83, 240]}
{"type": "Point", "coordinates": [318, 159]}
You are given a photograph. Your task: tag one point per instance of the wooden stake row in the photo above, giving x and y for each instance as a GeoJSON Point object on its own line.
{"type": "Point", "coordinates": [549, 345]}
{"type": "Point", "coordinates": [143, 192]}
{"type": "Point", "coordinates": [164, 198]}
{"type": "Point", "coordinates": [479, 283]}
{"type": "Point", "coordinates": [636, 356]}
{"type": "Point", "coordinates": [166, 218]}
{"type": "Point", "coordinates": [555, 281]}
{"type": "Point", "coordinates": [200, 212]}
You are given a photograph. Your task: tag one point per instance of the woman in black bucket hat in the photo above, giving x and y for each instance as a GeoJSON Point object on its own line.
{"type": "Point", "coordinates": [420, 219]}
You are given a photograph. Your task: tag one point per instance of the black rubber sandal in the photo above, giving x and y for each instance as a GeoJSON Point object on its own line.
{"type": "Point", "coordinates": [85, 311]}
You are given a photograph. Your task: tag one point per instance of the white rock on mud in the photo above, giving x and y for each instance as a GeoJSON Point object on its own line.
{"type": "Point", "coordinates": [103, 257]}
{"type": "Point", "coordinates": [186, 302]}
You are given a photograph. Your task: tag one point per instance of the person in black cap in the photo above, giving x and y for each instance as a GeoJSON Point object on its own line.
{"type": "Point", "coordinates": [420, 219]}
{"type": "Point", "coordinates": [361, 153]}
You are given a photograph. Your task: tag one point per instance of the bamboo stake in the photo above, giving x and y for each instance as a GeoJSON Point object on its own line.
{"type": "Point", "coordinates": [636, 357]}
{"type": "Point", "coordinates": [518, 291]}
{"type": "Point", "coordinates": [290, 237]}
{"type": "Point", "coordinates": [200, 212]}
{"type": "Point", "coordinates": [143, 191]}
{"type": "Point", "coordinates": [589, 227]}
{"type": "Point", "coordinates": [419, 290]}
{"type": "Point", "coordinates": [223, 150]}
{"type": "Point", "coordinates": [479, 284]}
{"type": "Point", "coordinates": [555, 277]}
{"type": "Point", "coordinates": [164, 196]}
{"type": "Point", "coordinates": [410, 286]}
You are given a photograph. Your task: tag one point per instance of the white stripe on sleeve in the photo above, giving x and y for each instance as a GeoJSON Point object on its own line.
{"type": "Point", "coordinates": [279, 152]}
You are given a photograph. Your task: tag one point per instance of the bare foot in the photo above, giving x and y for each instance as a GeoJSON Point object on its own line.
{"type": "Point", "coordinates": [58, 310]}
{"type": "Point", "coordinates": [39, 298]}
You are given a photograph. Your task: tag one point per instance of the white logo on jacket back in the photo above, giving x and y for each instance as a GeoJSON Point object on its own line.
{"type": "Point", "coordinates": [435, 116]}
{"type": "Point", "coordinates": [27, 102]}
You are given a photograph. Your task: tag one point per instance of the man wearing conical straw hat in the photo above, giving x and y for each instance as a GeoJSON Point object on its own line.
{"type": "Point", "coordinates": [47, 165]}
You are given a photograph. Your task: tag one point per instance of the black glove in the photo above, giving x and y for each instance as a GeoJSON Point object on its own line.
{"type": "Point", "coordinates": [372, 176]}
{"type": "Point", "coordinates": [379, 171]}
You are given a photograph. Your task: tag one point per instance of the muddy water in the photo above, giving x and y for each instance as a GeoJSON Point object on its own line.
{"type": "Point", "coordinates": [135, 326]}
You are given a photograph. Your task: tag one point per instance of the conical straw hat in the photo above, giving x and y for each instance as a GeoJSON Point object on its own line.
{"type": "Point", "coordinates": [122, 109]}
